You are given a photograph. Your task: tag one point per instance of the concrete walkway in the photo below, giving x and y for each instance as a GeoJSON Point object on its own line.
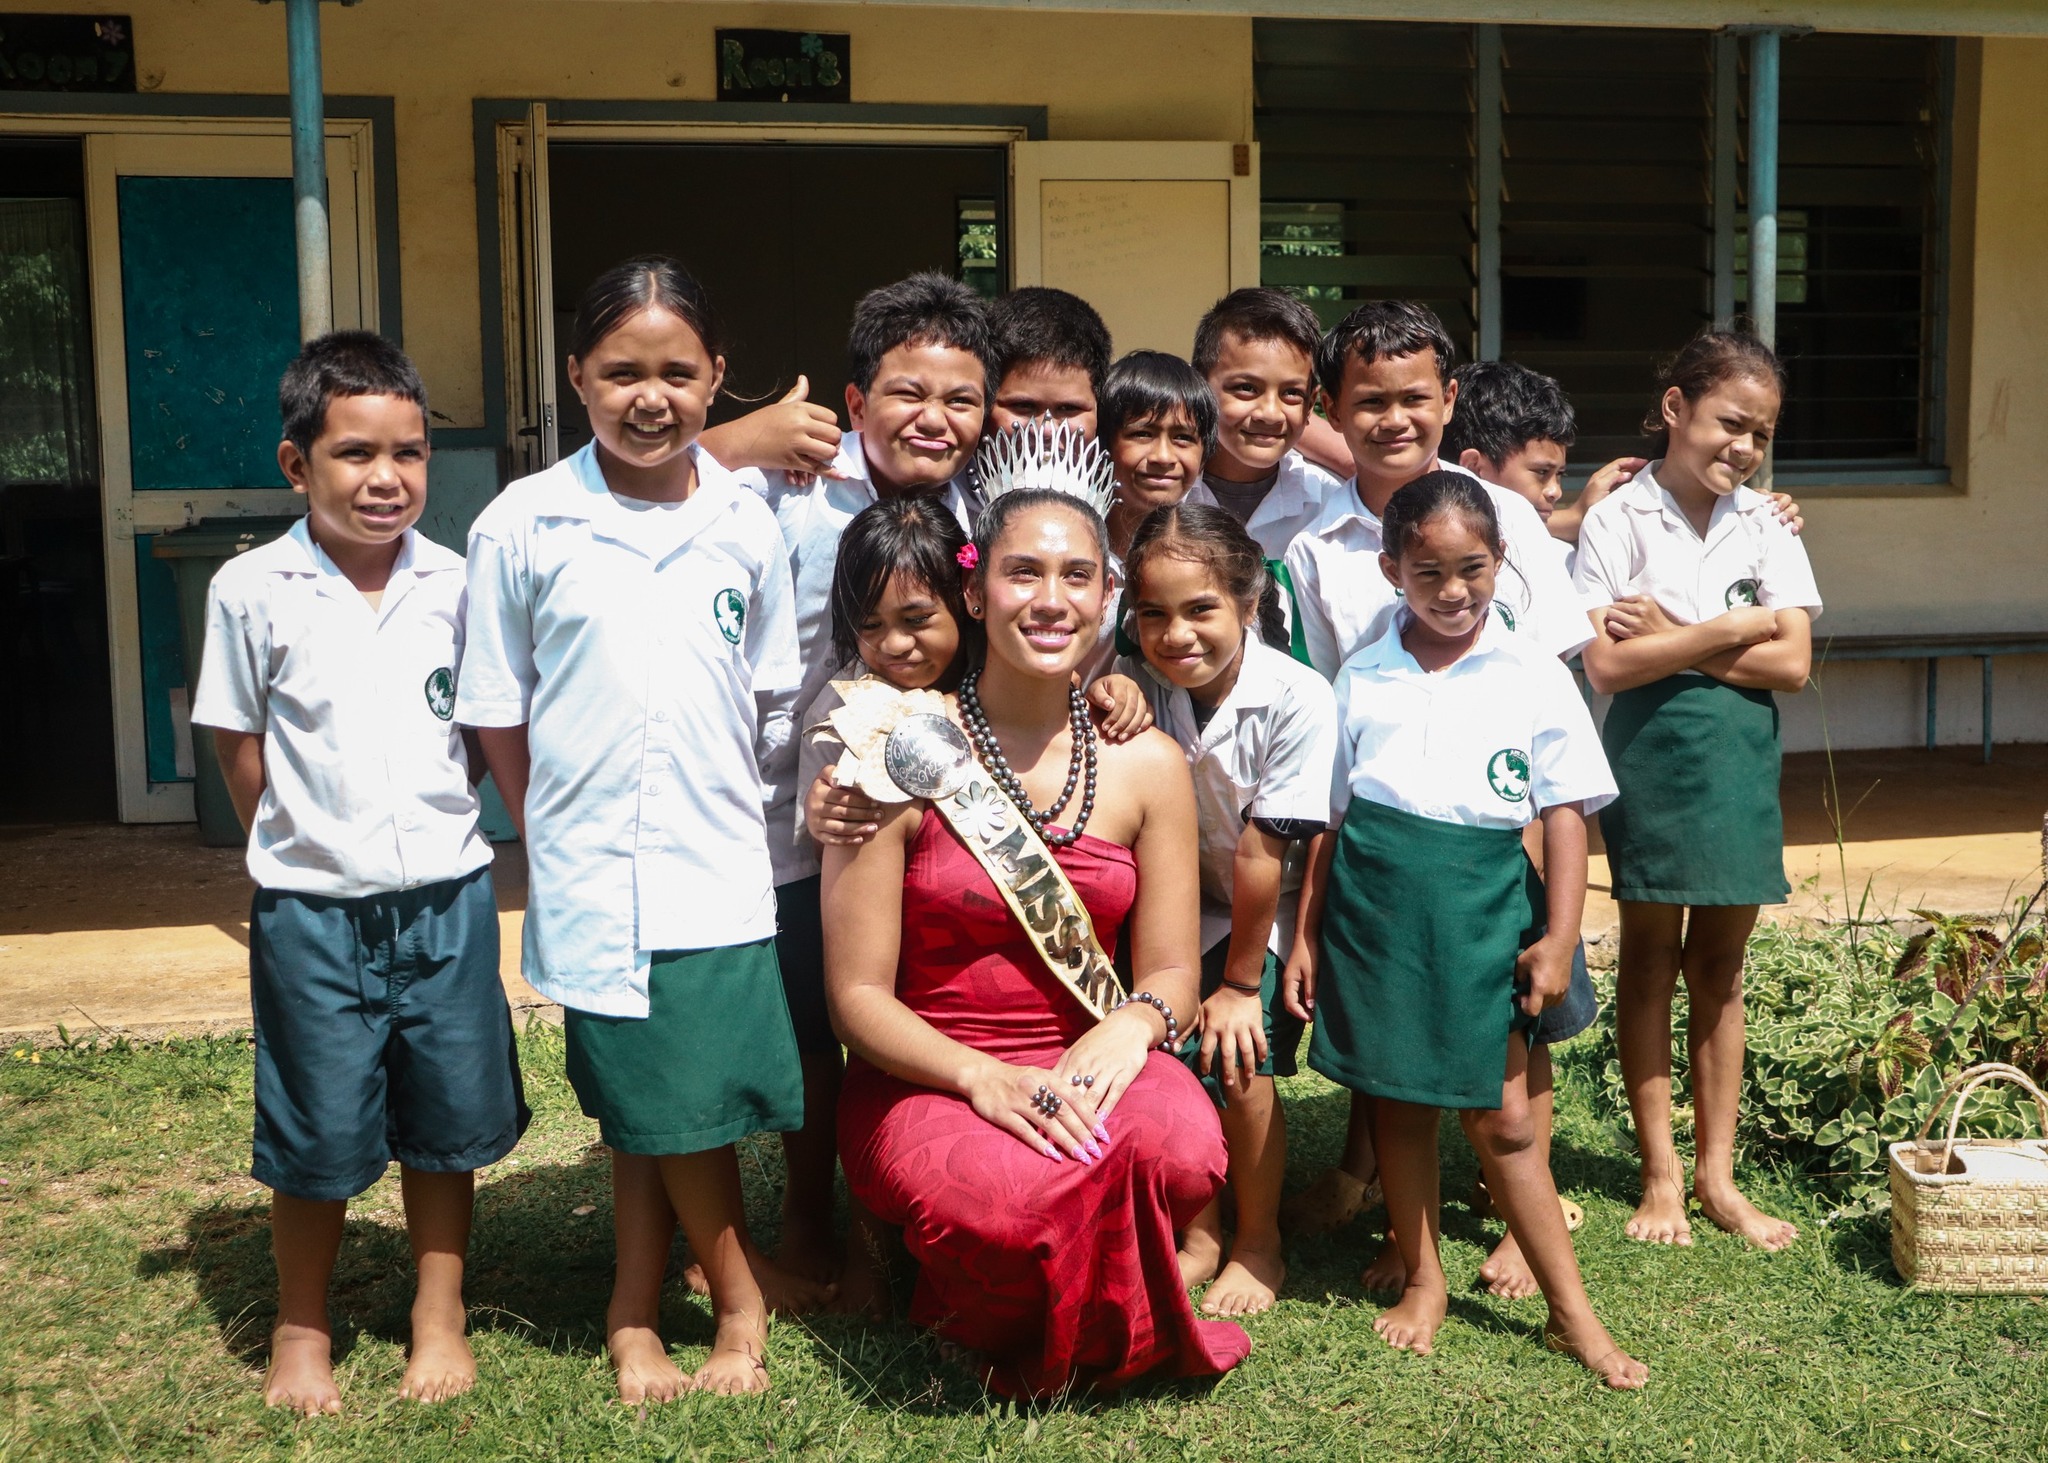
{"type": "Point", "coordinates": [138, 930]}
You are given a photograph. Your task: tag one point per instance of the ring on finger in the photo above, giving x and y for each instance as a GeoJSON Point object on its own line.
{"type": "Point", "coordinates": [1084, 1081]}
{"type": "Point", "coordinates": [1047, 1101]}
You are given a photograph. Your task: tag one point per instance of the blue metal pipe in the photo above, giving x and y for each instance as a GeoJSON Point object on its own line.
{"type": "Point", "coordinates": [1763, 185]}
{"type": "Point", "coordinates": [309, 170]}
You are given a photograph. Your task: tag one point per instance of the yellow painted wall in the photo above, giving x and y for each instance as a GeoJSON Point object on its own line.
{"type": "Point", "coordinates": [1113, 78]}
{"type": "Point", "coordinates": [1970, 560]}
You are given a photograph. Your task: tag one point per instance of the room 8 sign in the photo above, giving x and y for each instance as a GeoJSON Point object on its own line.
{"type": "Point", "coordinates": [784, 66]}
{"type": "Point", "coordinates": [66, 53]}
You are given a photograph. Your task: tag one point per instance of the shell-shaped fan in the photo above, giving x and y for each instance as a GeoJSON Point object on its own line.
{"type": "Point", "coordinates": [1044, 454]}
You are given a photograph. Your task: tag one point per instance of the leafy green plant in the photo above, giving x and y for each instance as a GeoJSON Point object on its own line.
{"type": "Point", "coordinates": [1850, 1046]}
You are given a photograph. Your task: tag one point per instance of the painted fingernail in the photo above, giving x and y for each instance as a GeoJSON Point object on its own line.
{"type": "Point", "coordinates": [1082, 1154]}
{"type": "Point", "coordinates": [1054, 1153]}
{"type": "Point", "coordinates": [1093, 1151]}
{"type": "Point", "coordinates": [1102, 1132]}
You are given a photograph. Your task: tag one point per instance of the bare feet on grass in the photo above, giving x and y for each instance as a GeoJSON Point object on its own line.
{"type": "Point", "coordinates": [1507, 1274]}
{"type": "Point", "coordinates": [738, 1361]}
{"type": "Point", "coordinates": [646, 1375]}
{"type": "Point", "coordinates": [1592, 1348]}
{"type": "Point", "coordinates": [1660, 1217]}
{"type": "Point", "coordinates": [441, 1365]}
{"type": "Point", "coordinates": [301, 1374]}
{"type": "Point", "coordinates": [1249, 1284]}
{"type": "Point", "coordinates": [1729, 1210]}
{"type": "Point", "coordinates": [784, 1293]}
{"type": "Point", "coordinates": [1200, 1254]}
{"type": "Point", "coordinates": [1331, 1202]}
{"type": "Point", "coordinates": [1411, 1323]}
{"type": "Point", "coordinates": [1385, 1274]}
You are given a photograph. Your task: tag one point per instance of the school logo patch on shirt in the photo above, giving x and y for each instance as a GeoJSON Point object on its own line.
{"type": "Point", "coordinates": [729, 608]}
{"type": "Point", "coordinates": [1742, 592]}
{"type": "Point", "coordinates": [1507, 616]}
{"type": "Point", "coordinates": [440, 689]}
{"type": "Point", "coordinates": [1508, 774]}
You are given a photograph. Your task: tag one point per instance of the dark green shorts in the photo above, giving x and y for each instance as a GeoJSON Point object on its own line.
{"type": "Point", "coordinates": [712, 1060]}
{"type": "Point", "coordinates": [800, 951]}
{"type": "Point", "coordinates": [1283, 1031]}
{"type": "Point", "coordinates": [382, 1032]}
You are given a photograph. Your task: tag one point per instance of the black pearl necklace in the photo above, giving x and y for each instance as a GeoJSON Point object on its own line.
{"type": "Point", "coordinates": [1080, 769]}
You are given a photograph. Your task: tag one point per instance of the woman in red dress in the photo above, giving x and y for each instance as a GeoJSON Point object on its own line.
{"type": "Point", "coordinates": [1047, 1240]}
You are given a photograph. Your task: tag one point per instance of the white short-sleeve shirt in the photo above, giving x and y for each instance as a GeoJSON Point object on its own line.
{"type": "Point", "coordinates": [365, 784]}
{"type": "Point", "coordinates": [813, 517]}
{"type": "Point", "coordinates": [1301, 494]}
{"type": "Point", "coordinates": [1637, 540]}
{"type": "Point", "coordinates": [1268, 751]}
{"type": "Point", "coordinates": [1345, 602]}
{"type": "Point", "coordinates": [637, 644]}
{"type": "Point", "coordinates": [1489, 741]}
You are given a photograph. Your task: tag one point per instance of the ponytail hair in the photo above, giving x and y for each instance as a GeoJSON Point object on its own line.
{"type": "Point", "coordinates": [1704, 362]}
{"type": "Point", "coordinates": [1212, 538]}
{"type": "Point", "coordinates": [647, 282]}
{"type": "Point", "coordinates": [915, 536]}
{"type": "Point", "coordinates": [1432, 495]}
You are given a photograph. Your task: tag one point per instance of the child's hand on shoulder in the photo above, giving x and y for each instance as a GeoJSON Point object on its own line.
{"type": "Point", "coordinates": [841, 816]}
{"type": "Point", "coordinates": [1233, 1029]}
{"type": "Point", "coordinates": [1121, 711]}
{"type": "Point", "coordinates": [1543, 972]}
{"type": "Point", "coordinates": [1609, 477]}
{"type": "Point", "coordinates": [1787, 511]}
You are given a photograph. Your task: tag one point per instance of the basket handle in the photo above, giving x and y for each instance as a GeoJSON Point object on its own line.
{"type": "Point", "coordinates": [1964, 1085]}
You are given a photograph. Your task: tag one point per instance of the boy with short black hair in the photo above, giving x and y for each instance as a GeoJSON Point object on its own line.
{"type": "Point", "coordinates": [382, 1030]}
{"type": "Point", "coordinates": [920, 357]}
{"type": "Point", "coordinates": [1052, 353]}
{"type": "Point", "coordinates": [1257, 348]}
{"type": "Point", "coordinates": [1385, 374]}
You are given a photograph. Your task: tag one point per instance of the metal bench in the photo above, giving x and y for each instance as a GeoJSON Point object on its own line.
{"type": "Point", "coordinates": [1933, 649]}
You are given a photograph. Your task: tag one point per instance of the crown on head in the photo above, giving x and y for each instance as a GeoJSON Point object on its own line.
{"type": "Point", "coordinates": [1041, 453]}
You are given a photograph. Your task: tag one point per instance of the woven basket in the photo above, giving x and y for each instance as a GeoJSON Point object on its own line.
{"type": "Point", "coordinates": [1970, 1215]}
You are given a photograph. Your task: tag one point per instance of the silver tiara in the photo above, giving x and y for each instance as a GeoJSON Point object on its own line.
{"type": "Point", "coordinates": [1041, 453]}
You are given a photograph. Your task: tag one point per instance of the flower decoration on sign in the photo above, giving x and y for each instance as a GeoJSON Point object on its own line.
{"type": "Point", "coordinates": [810, 45]}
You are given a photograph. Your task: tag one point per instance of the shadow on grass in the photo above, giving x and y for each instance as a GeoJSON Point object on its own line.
{"type": "Point", "coordinates": [537, 1268]}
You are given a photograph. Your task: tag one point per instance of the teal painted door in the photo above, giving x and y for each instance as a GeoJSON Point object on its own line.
{"type": "Point", "coordinates": [210, 310]}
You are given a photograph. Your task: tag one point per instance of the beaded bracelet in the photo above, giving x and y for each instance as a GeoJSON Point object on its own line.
{"type": "Point", "coordinates": [1172, 1042]}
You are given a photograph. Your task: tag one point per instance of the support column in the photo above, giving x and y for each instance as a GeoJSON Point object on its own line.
{"type": "Point", "coordinates": [1763, 204]}
{"type": "Point", "coordinates": [1487, 182]}
{"type": "Point", "coordinates": [309, 169]}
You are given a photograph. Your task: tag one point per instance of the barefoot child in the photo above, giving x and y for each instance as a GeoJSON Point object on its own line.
{"type": "Point", "coordinates": [1257, 349]}
{"type": "Point", "coordinates": [381, 1028]}
{"type": "Point", "coordinates": [1385, 373]}
{"type": "Point", "coordinates": [1260, 734]}
{"type": "Point", "coordinates": [1439, 946]}
{"type": "Point", "coordinates": [1705, 608]}
{"type": "Point", "coordinates": [631, 636]}
{"type": "Point", "coordinates": [919, 359]}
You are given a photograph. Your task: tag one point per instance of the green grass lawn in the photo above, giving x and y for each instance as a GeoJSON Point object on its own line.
{"type": "Point", "coordinates": [135, 1296]}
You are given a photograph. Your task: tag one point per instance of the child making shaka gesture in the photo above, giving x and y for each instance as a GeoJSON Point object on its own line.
{"type": "Point", "coordinates": [1440, 947]}
{"type": "Point", "coordinates": [1704, 604]}
{"type": "Point", "coordinates": [632, 647]}
{"type": "Point", "coordinates": [1259, 730]}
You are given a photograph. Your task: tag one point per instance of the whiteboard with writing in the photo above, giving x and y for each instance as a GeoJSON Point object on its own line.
{"type": "Point", "coordinates": [1152, 255]}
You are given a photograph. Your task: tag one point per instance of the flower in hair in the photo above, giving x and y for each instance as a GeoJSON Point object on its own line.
{"type": "Point", "coordinates": [968, 556]}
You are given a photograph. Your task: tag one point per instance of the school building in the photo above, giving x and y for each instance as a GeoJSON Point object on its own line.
{"type": "Point", "coordinates": [1564, 180]}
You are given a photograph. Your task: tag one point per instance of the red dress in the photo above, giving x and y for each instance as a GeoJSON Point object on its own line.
{"type": "Point", "coordinates": [1059, 1273]}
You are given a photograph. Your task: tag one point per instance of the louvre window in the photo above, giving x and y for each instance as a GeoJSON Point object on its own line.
{"type": "Point", "coordinates": [1618, 225]}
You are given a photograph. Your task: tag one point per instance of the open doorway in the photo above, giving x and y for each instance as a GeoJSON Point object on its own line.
{"type": "Point", "coordinates": [56, 715]}
{"type": "Point", "coordinates": [785, 238]}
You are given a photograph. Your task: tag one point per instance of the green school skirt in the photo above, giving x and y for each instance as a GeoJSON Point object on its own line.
{"type": "Point", "coordinates": [713, 1059]}
{"type": "Point", "coordinates": [1697, 822]}
{"type": "Point", "coordinates": [1422, 924]}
